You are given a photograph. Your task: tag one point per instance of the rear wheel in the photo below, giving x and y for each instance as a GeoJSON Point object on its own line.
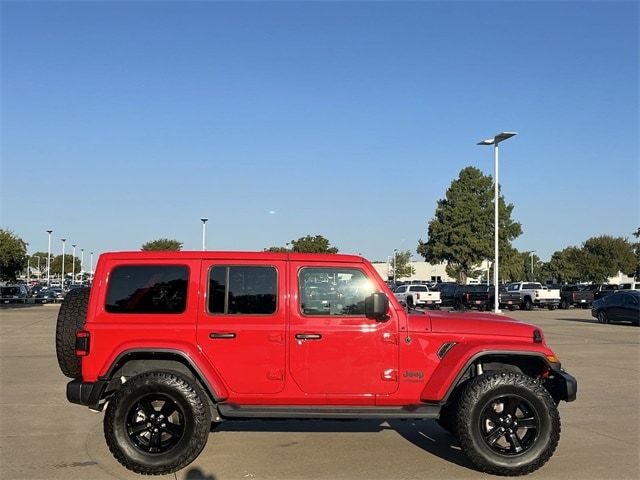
{"type": "Point", "coordinates": [507, 423]}
{"type": "Point", "coordinates": [157, 423]}
{"type": "Point", "coordinates": [410, 302]}
{"type": "Point", "coordinates": [527, 304]}
{"type": "Point", "coordinates": [564, 305]}
{"type": "Point", "coordinates": [551, 307]}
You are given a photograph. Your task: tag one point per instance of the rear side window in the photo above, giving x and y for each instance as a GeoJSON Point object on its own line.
{"type": "Point", "coordinates": [243, 290]}
{"type": "Point", "coordinates": [147, 289]}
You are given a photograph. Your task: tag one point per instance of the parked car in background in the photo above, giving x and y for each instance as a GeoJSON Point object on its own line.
{"type": "Point", "coordinates": [481, 296]}
{"type": "Point", "coordinates": [630, 286]}
{"type": "Point", "coordinates": [601, 290]}
{"type": "Point", "coordinates": [534, 294]}
{"type": "Point", "coordinates": [418, 296]}
{"type": "Point", "coordinates": [452, 295]}
{"type": "Point", "coordinates": [576, 295]}
{"type": "Point", "coordinates": [14, 294]}
{"type": "Point", "coordinates": [622, 306]}
{"type": "Point", "coordinates": [49, 295]}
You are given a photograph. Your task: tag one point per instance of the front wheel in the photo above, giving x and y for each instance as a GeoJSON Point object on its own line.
{"type": "Point", "coordinates": [602, 317]}
{"type": "Point", "coordinates": [157, 423]}
{"type": "Point", "coordinates": [507, 423]}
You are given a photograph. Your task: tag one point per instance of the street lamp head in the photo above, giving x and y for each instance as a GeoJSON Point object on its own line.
{"type": "Point", "coordinates": [73, 245]}
{"type": "Point", "coordinates": [204, 220]}
{"type": "Point", "coordinates": [49, 232]}
{"type": "Point", "coordinates": [501, 137]}
{"type": "Point", "coordinates": [63, 240]}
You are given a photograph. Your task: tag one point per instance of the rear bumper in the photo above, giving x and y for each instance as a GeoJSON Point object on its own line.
{"type": "Point", "coordinates": [88, 394]}
{"type": "Point", "coordinates": [546, 301]}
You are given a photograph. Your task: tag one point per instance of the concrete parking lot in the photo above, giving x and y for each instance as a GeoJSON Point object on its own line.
{"type": "Point", "coordinates": [42, 436]}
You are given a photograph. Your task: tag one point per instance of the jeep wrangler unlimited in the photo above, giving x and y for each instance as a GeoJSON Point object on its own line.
{"type": "Point", "coordinates": [169, 343]}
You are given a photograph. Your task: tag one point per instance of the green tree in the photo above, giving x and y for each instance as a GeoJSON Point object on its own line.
{"type": "Point", "coordinates": [568, 265]}
{"type": "Point", "coordinates": [606, 256]}
{"type": "Point", "coordinates": [312, 244]}
{"type": "Point", "coordinates": [56, 264]}
{"type": "Point", "coordinates": [402, 267]}
{"type": "Point", "coordinates": [277, 250]}
{"type": "Point", "coordinates": [13, 255]}
{"type": "Point", "coordinates": [636, 251]}
{"type": "Point", "coordinates": [162, 244]}
{"type": "Point", "coordinates": [462, 231]}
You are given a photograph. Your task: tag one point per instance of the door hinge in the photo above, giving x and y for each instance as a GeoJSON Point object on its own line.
{"type": "Point", "coordinates": [390, 375]}
{"type": "Point", "coordinates": [390, 338]}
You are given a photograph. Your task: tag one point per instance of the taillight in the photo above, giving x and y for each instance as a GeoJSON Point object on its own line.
{"type": "Point", "coordinates": [82, 343]}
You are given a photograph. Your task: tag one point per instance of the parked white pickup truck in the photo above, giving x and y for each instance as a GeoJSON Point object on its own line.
{"type": "Point", "coordinates": [418, 295]}
{"type": "Point", "coordinates": [534, 294]}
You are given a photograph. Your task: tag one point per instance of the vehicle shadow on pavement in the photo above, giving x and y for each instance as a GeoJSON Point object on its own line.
{"type": "Point", "coordinates": [197, 474]}
{"type": "Point", "coordinates": [428, 436]}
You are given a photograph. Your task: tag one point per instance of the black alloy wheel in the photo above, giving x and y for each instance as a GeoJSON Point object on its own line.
{"type": "Point", "coordinates": [602, 317]}
{"type": "Point", "coordinates": [155, 423]}
{"type": "Point", "coordinates": [509, 425]}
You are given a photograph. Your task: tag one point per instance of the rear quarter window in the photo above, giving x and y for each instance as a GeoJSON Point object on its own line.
{"type": "Point", "coordinates": [147, 289]}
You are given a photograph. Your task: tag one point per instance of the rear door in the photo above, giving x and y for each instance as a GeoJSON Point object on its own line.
{"type": "Point", "coordinates": [242, 323]}
{"type": "Point", "coordinates": [334, 348]}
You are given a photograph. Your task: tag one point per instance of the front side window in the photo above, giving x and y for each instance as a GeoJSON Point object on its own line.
{"type": "Point", "coordinates": [333, 291]}
{"type": "Point", "coordinates": [243, 290]}
{"type": "Point", "coordinates": [147, 289]}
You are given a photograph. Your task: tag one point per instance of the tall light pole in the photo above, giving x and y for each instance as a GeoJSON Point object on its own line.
{"type": "Point", "coordinates": [395, 264]}
{"type": "Point", "coordinates": [62, 280]}
{"type": "Point", "coordinates": [501, 137]}
{"type": "Point", "coordinates": [91, 269]}
{"type": "Point", "coordinates": [73, 266]}
{"type": "Point", "coordinates": [532, 252]}
{"type": "Point", "coordinates": [49, 260]}
{"type": "Point", "coordinates": [204, 233]}
{"type": "Point", "coordinates": [82, 264]}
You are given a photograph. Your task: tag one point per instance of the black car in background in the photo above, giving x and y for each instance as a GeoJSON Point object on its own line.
{"type": "Point", "coordinates": [621, 306]}
{"type": "Point", "coordinates": [14, 294]}
{"type": "Point", "coordinates": [49, 295]}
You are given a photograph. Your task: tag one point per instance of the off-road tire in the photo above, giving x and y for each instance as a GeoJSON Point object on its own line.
{"type": "Point", "coordinates": [478, 394]}
{"type": "Point", "coordinates": [71, 318]}
{"type": "Point", "coordinates": [196, 416]}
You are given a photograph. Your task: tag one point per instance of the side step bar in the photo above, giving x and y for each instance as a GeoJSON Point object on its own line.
{"type": "Point", "coordinates": [231, 410]}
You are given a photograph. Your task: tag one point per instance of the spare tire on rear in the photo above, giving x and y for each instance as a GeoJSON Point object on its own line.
{"type": "Point", "coordinates": [71, 318]}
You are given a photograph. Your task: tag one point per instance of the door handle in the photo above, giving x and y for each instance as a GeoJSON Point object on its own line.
{"type": "Point", "coordinates": [221, 336]}
{"type": "Point", "coordinates": [308, 336]}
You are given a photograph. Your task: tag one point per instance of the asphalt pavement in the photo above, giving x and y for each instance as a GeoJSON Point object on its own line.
{"type": "Point", "coordinates": [42, 436]}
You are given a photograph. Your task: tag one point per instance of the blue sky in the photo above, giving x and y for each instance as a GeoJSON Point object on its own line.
{"type": "Point", "coordinates": [124, 122]}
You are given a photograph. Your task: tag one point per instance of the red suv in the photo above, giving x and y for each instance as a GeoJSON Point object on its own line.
{"type": "Point", "coordinates": [173, 342]}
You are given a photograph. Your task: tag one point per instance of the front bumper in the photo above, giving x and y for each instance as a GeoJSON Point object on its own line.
{"type": "Point", "coordinates": [88, 394]}
{"type": "Point", "coordinates": [565, 386]}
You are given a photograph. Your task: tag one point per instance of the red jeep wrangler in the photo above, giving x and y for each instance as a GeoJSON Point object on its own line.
{"type": "Point", "coordinates": [171, 342]}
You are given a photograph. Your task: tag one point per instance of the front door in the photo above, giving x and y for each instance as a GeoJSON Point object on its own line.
{"type": "Point", "coordinates": [333, 347]}
{"type": "Point", "coordinates": [241, 327]}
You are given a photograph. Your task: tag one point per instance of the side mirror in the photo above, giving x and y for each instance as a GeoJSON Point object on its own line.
{"type": "Point", "coordinates": [376, 306]}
